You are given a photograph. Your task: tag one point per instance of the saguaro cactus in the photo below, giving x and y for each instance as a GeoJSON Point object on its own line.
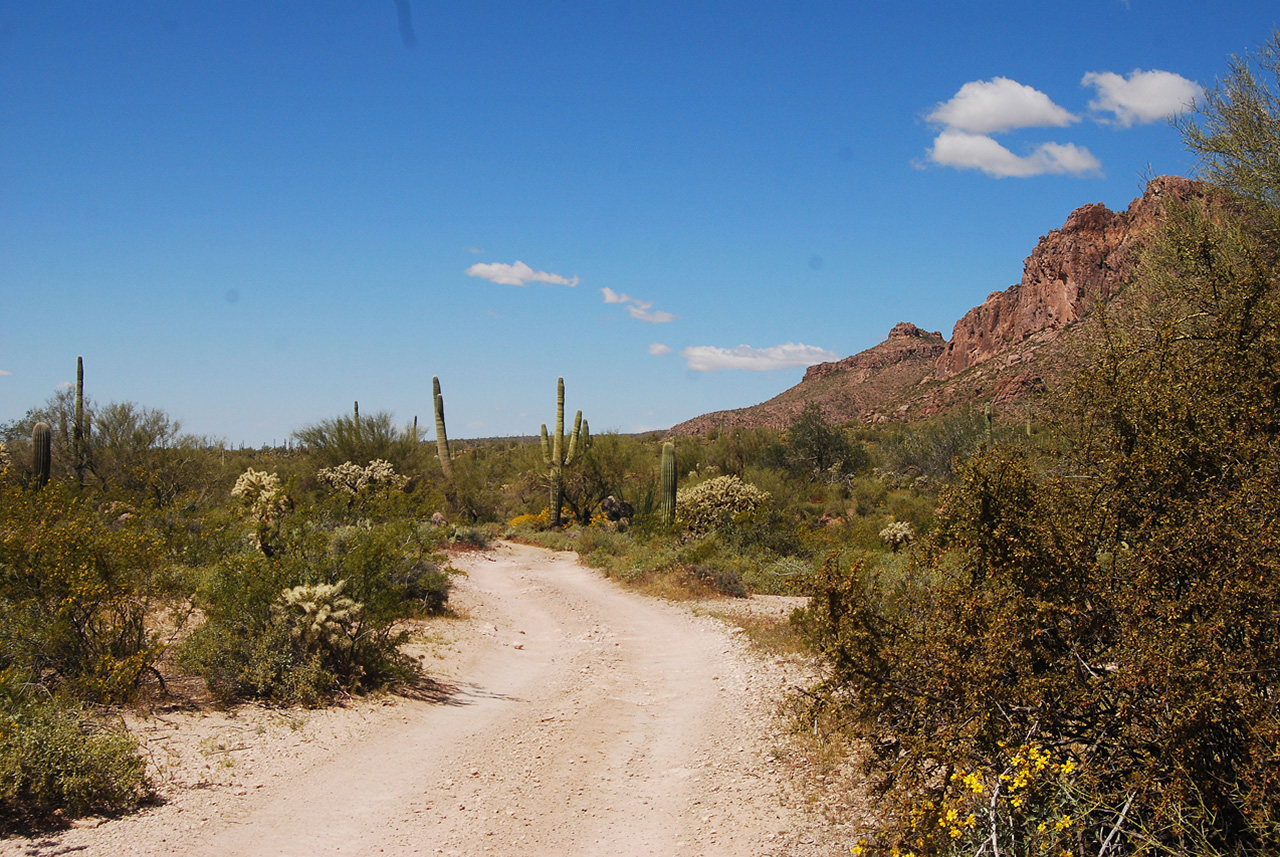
{"type": "Point", "coordinates": [555, 454]}
{"type": "Point", "coordinates": [668, 483]}
{"type": "Point", "coordinates": [442, 439]}
{"type": "Point", "coordinates": [79, 437]}
{"type": "Point", "coordinates": [42, 451]}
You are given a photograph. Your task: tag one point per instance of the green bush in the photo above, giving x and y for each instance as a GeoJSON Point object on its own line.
{"type": "Point", "coordinates": [55, 764]}
{"type": "Point", "coordinates": [247, 647]}
{"type": "Point", "coordinates": [76, 584]}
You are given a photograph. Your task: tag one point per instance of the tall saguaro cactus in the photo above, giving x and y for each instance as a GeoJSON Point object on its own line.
{"type": "Point", "coordinates": [442, 439]}
{"type": "Point", "coordinates": [557, 456]}
{"type": "Point", "coordinates": [42, 452]}
{"type": "Point", "coordinates": [668, 486]}
{"type": "Point", "coordinates": [79, 437]}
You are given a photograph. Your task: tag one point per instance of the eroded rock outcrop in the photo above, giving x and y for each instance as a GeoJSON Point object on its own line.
{"type": "Point", "coordinates": [1089, 259]}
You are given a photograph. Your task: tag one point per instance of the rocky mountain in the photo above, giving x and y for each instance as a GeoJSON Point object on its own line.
{"type": "Point", "coordinates": [1000, 351]}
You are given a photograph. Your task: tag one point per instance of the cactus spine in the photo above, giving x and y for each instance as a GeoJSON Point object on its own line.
{"type": "Point", "coordinates": [42, 452]}
{"type": "Point", "coordinates": [556, 456]}
{"type": "Point", "coordinates": [442, 439]}
{"type": "Point", "coordinates": [668, 483]}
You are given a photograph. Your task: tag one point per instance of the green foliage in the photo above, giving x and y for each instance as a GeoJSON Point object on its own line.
{"type": "Point", "coordinates": [251, 645]}
{"type": "Point", "coordinates": [821, 451]}
{"type": "Point", "coordinates": [55, 764]}
{"type": "Point", "coordinates": [75, 589]}
{"type": "Point", "coordinates": [143, 452]}
{"type": "Point", "coordinates": [1235, 130]}
{"type": "Point", "coordinates": [359, 438]}
{"type": "Point", "coordinates": [933, 447]}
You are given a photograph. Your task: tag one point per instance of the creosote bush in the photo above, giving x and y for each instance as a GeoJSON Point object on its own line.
{"type": "Point", "coordinates": [55, 763]}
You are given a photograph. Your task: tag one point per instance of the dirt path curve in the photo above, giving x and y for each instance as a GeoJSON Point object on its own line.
{"type": "Point", "coordinates": [582, 720]}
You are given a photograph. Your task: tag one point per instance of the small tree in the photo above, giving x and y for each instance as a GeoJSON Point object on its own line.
{"type": "Point", "coordinates": [819, 450]}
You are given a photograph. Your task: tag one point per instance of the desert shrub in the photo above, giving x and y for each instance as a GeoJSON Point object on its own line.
{"type": "Point", "coordinates": [56, 764]}
{"type": "Point", "coordinates": [360, 438]}
{"type": "Point", "coordinates": [713, 504]}
{"type": "Point", "coordinates": [249, 646]}
{"type": "Point", "coordinates": [75, 588]}
{"type": "Point", "coordinates": [726, 581]}
{"type": "Point", "coordinates": [821, 451]}
{"type": "Point", "coordinates": [933, 447]}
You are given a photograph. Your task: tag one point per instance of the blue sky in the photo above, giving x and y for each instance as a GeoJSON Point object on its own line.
{"type": "Point", "coordinates": [250, 214]}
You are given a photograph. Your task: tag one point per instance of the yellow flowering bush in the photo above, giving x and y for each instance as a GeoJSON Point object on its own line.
{"type": "Point", "coordinates": [75, 590]}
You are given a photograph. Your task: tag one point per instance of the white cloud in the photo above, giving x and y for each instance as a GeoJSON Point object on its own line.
{"type": "Point", "coordinates": [65, 385]}
{"type": "Point", "coordinates": [3, 372]}
{"type": "Point", "coordinates": [473, 250]}
{"type": "Point", "coordinates": [638, 309]}
{"type": "Point", "coordinates": [657, 349]}
{"type": "Point", "coordinates": [656, 317]}
{"type": "Point", "coordinates": [999, 104]}
{"type": "Point", "coordinates": [980, 152]}
{"type": "Point", "coordinates": [709, 358]}
{"type": "Point", "coordinates": [518, 274]}
{"type": "Point", "coordinates": [1143, 96]}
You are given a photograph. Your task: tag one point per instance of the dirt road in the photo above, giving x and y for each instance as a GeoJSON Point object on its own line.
{"type": "Point", "coordinates": [572, 718]}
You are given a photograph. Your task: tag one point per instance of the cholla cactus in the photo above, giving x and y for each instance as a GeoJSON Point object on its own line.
{"type": "Point", "coordinates": [354, 480]}
{"type": "Point", "coordinates": [710, 505]}
{"type": "Point", "coordinates": [346, 478]}
{"type": "Point", "coordinates": [319, 616]}
{"type": "Point", "coordinates": [380, 474]}
{"type": "Point", "coordinates": [262, 493]}
{"type": "Point", "coordinates": [4, 457]}
{"type": "Point", "coordinates": [897, 534]}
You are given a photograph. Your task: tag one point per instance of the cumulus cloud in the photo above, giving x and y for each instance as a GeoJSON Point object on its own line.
{"type": "Point", "coordinates": [709, 358]}
{"type": "Point", "coordinates": [518, 274]}
{"type": "Point", "coordinates": [1143, 96]}
{"type": "Point", "coordinates": [637, 309]}
{"type": "Point", "coordinates": [985, 107]}
{"type": "Point", "coordinates": [999, 104]}
{"type": "Point", "coordinates": [657, 349]}
{"type": "Point", "coordinates": [980, 152]}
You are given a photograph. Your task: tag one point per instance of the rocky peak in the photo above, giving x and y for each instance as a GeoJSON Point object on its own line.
{"type": "Point", "coordinates": [905, 342]}
{"type": "Point", "coordinates": [1071, 269]}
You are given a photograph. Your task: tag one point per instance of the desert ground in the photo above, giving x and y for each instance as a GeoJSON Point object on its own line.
{"type": "Point", "coordinates": [559, 714]}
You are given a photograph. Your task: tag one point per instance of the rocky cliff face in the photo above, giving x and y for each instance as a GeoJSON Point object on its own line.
{"type": "Point", "coordinates": [1088, 260]}
{"type": "Point", "coordinates": [996, 350]}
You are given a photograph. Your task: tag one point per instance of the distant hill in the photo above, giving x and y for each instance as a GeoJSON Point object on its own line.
{"type": "Point", "coordinates": [1000, 351]}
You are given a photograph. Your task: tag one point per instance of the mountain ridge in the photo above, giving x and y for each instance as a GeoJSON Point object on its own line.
{"type": "Point", "coordinates": [1000, 351]}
